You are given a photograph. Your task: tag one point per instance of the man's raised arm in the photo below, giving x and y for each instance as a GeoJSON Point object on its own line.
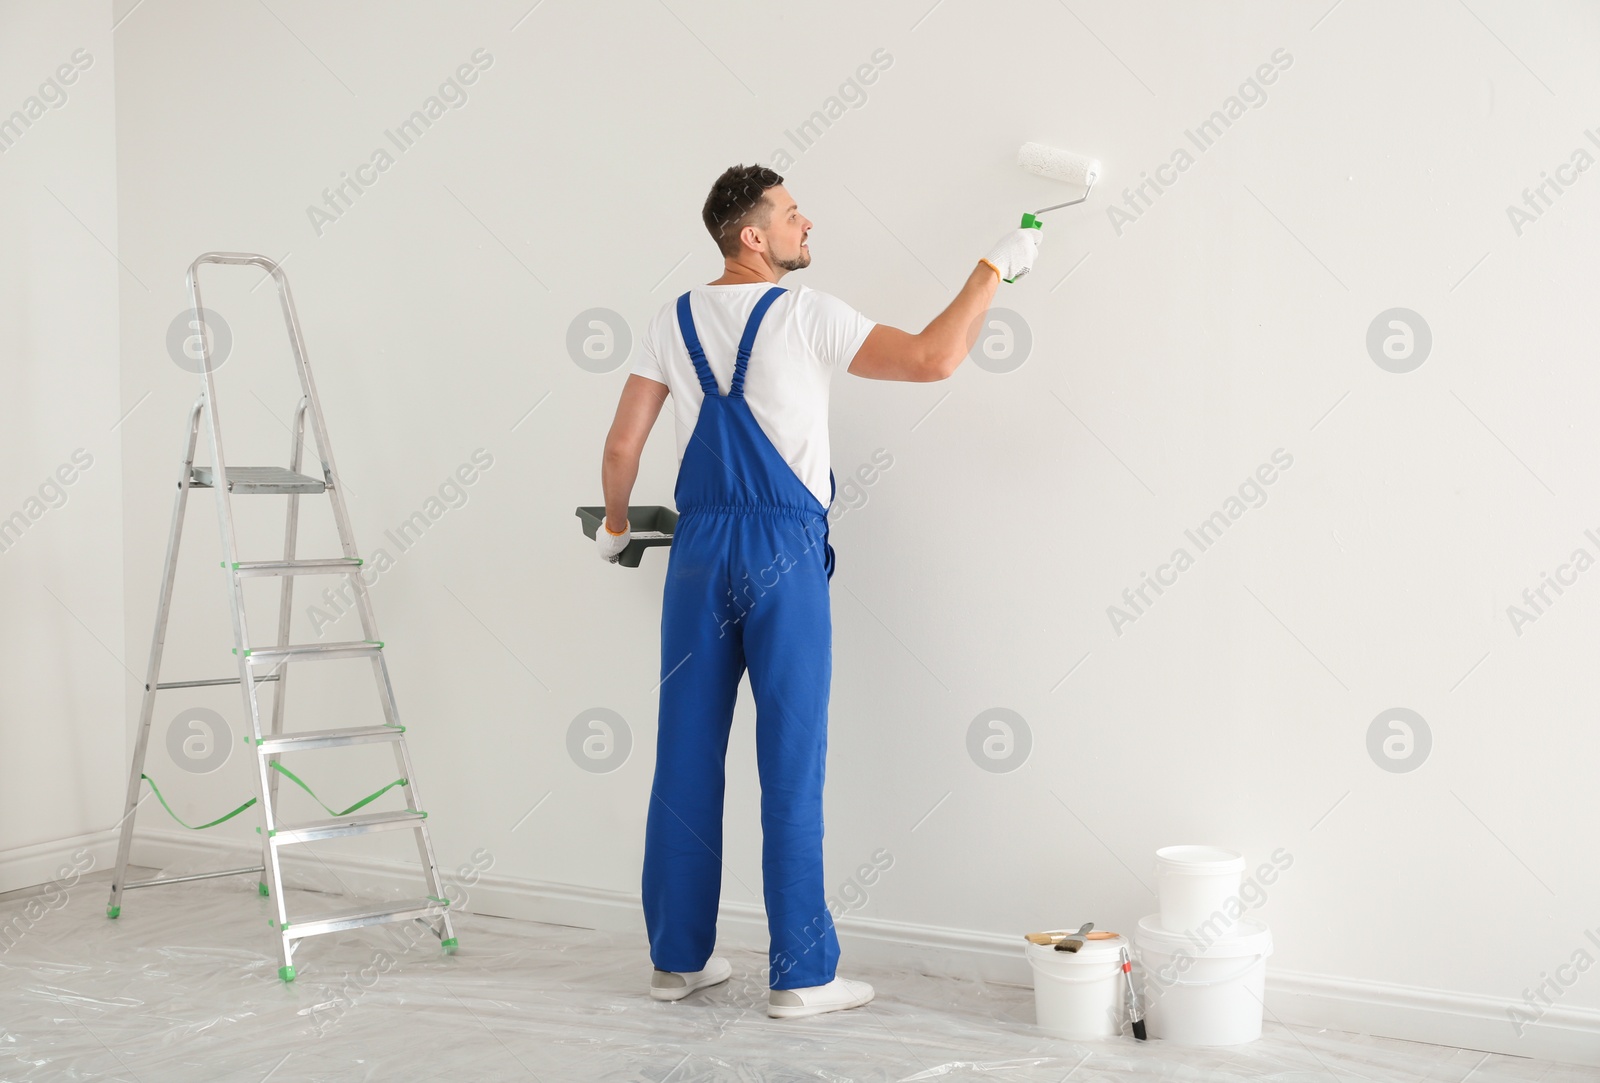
{"type": "Point", "coordinates": [889, 353]}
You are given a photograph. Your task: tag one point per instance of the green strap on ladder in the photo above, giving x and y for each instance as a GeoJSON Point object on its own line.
{"type": "Point", "coordinates": [220, 819]}
{"type": "Point", "coordinates": [371, 797]}
{"type": "Point", "coordinates": [281, 769]}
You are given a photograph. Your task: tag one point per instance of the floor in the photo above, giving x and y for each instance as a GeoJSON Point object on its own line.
{"type": "Point", "coordinates": [179, 989]}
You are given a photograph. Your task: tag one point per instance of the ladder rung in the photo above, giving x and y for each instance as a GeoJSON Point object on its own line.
{"type": "Point", "coordinates": [340, 827]}
{"type": "Point", "coordinates": [355, 919]}
{"type": "Point", "coordinates": [326, 566]}
{"type": "Point", "coordinates": [213, 682]}
{"type": "Point", "coordinates": [158, 881]}
{"type": "Point", "coordinates": [254, 480]}
{"type": "Point", "coordinates": [306, 739]}
{"type": "Point", "coordinates": [262, 656]}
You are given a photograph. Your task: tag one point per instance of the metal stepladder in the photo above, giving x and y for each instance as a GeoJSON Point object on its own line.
{"type": "Point", "coordinates": [271, 664]}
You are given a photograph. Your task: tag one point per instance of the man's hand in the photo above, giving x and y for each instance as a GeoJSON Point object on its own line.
{"type": "Point", "coordinates": [1013, 257]}
{"type": "Point", "coordinates": [611, 545]}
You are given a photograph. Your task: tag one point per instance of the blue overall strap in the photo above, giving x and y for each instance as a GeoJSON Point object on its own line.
{"type": "Point", "coordinates": [708, 382]}
{"type": "Point", "coordinates": [749, 340]}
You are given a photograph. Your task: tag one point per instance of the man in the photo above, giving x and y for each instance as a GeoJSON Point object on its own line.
{"type": "Point", "coordinates": [748, 366]}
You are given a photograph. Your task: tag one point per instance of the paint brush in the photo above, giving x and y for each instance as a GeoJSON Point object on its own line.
{"type": "Point", "coordinates": [1135, 1016]}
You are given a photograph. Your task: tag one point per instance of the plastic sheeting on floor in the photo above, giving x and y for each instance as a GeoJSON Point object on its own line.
{"type": "Point", "coordinates": [183, 986]}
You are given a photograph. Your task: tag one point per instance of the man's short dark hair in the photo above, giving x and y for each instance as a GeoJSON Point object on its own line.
{"type": "Point", "coordinates": [733, 199]}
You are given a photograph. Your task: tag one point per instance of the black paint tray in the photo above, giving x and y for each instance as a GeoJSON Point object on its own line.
{"type": "Point", "coordinates": [651, 525]}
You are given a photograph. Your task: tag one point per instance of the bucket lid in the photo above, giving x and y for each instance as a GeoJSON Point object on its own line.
{"type": "Point", "coordinates": [1199, 859]}
{"type": "Point", "coordinates": [1093, 951]}
{"type": "Point", "coordinates": [1247, 936]}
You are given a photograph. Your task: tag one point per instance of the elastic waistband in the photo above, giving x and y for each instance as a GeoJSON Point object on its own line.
{"type": "Point", "coordinates": [781, 510]}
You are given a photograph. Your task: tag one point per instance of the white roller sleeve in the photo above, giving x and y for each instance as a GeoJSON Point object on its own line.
{"type": "Point", "coordinates": [1058, 165]}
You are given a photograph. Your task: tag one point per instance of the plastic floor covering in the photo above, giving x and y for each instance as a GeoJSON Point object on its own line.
{"type": "Point", "coordinates": [183, 986]}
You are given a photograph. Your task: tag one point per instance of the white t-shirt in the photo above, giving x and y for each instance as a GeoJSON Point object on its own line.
{"type": "Point", "coordinates": [804, 337]}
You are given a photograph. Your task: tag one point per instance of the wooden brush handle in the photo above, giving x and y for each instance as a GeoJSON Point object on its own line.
{"type": "Point", "coordinates": [1051, 938]}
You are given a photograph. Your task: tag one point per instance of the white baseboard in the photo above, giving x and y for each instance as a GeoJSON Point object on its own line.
{"type": "Point", "coordinates": [41, 863]}
{"type": "Point", "coordinates": [1467, 1021]}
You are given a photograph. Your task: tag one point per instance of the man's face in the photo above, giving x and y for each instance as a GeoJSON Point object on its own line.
{"type": "Point", "coordinates": [784, 235]}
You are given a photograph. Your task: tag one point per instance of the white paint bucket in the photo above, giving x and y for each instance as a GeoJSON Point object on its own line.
{"type": "Point", "coordinates": [1199, 993]}
{"type": "Point", "coordinates": [1194, 882]}
{"type": "Point", "coordinates": [1079, 994]}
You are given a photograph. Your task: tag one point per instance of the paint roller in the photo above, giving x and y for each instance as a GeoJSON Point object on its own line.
{"type": "Point", "coordinates": [1058, 165]}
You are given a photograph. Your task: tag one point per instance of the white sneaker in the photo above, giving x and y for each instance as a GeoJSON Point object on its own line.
{"type": "Point", "coordinates": [669, 985]}
{"type": "Point", "coordinates": [838, 994]}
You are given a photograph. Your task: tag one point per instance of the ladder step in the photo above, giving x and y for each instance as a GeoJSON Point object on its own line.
{"type": "Point", "coordinates": [253, 480]}
{"type": "Point", "coordinates": [342, 826]}
{"type": "Point", "coordinates": [325, 566]}
{"type": "Point", "coordinates": [307, 739]}
{"type": "Point", "coordinates": [265, 656]}
{"type": "Point", "coordinates": [356, 919]}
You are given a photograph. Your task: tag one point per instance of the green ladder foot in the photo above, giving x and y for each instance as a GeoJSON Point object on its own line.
{"type": "Point", "coordinates": [286, 973]}
{"type": "Point", "coordinates": [449, 946]}
{"type": "Point", "coordinates": [263, 889]}
{"type": "Point", "coordinates": [113, 911]}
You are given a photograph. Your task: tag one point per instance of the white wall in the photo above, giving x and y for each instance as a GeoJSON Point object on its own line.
{"type": "Point", "coordinates": [1228, 320]}
{"type": "Point", "coordinates": [64, 665]}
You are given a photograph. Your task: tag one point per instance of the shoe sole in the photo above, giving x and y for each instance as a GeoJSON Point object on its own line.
{"type": "Point", "coordinates": [800, 1011]}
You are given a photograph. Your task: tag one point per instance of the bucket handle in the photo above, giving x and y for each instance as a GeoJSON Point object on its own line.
{"type": "Point", "coordinates": [1255, 961]}
{"type": "Point", "coordinates": [1061, 976]}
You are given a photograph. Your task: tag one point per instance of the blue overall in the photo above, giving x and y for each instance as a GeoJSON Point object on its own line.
{"type": "Point", "coordinates": [747, 587]}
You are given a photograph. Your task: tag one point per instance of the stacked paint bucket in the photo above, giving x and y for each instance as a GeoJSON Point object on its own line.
{"type": "Point", "coordinates": [1204, 962]}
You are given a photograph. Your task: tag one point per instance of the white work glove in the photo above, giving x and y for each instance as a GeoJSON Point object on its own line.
{"type": "Point", "coordinates": [611, 545]}
{"type": "Point", "coordinates": [1013, 257]}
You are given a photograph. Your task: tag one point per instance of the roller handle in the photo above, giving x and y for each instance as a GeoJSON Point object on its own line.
{"type": "Point", "coordinates": [1029, 221]}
